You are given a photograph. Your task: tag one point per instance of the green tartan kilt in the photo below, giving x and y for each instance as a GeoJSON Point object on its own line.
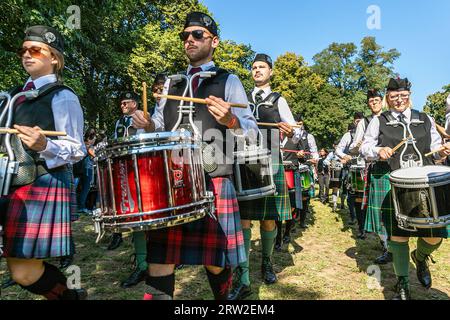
{"type": "Point", "coordinates": [276, 207]}
{"type": "Point", "coordinates": [380, 216]}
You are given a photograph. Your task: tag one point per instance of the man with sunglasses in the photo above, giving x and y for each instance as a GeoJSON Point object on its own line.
{"type": "Point", "coordinates": [129, 103]}
{"type": "Point", "coordinates": [217, 243]}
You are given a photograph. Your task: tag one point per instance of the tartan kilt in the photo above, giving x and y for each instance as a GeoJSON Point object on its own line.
{"type": "Point", "coordinates": [36, 218]}
{"type": "Point", "coordinates": [381, 213]}
{"type": "Point", "coordinates": [204, 241]}
{"type": "Point", "coordinates": [275, 207]}
{"type": "Point", "coordinates": [367, 174]}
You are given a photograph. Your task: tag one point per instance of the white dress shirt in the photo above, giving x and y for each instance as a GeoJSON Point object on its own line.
{"type": "Point", "coordinates": [283, 109]}
{"type": "Point", "coordinates": [369, 148]}
{"type": "Point", "coordinates": [312, 144]}
{"type": "Point", "coordinates": [68, 117]}
{"type": "Point", "coordinates": [447, 115]}
{"type": "Point", "coordinates": [234, 92]}
{"type": "Point", "coordinates": [343, 145]}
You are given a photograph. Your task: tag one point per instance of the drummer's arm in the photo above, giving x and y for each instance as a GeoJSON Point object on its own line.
{"type": "Point", "coordinates": [313, 147]}
{"type": "Point", "coordinates": [359, 135]}
{"type": "Point", "coordinates": [287, 117]}
{"type": "Point", "coordinates": [436, 141]}
{"type": "Point", "coordinates": [369, 148]}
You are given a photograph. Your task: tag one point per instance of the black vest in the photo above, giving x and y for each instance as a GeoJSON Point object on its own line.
{"type": "Point", "coordinates": [390, 136]}
{"type": "Point", "coordinates": [214, 86]}
{"type": "Point", "coordinates": [121, 128]}
{"type": "Point", "coordinates": [268, 112]}
{"type": "Point", "coordinates": [367, 121]}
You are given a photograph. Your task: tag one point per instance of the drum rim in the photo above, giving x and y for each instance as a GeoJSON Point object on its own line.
{"type": "Point", "coordinates": [438, 180]}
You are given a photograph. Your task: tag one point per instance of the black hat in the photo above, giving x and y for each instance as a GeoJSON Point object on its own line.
{"type": "Point", "coordinates": [264, 58]}
{"type": "Point", "coordinates": [298, 117]}
{"type": "Point", "coordinates": [160, 78]}
{"type": "Point", "coordinates": [130, 96]}
{"type": "Point", "coordinates": [47, 35]}
{"type": "Point", "coordinates": [201, 19]}
{"type": "Point", "coordinates": [358, 115]}
{"type": "Point", "coordinates": [373, 93]}
{"type": "Point", "coordinates": [398, 84]}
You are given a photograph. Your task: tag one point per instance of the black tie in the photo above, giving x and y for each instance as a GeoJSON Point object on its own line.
{"type": "Point", "coordinates": [258, 96]}
{"type": "Point", "coordinates": [401, 118]}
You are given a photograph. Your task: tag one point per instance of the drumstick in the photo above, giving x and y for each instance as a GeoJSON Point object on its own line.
{"type": "Point", "coordinates": [400, 144]}
{"type": "Point", "coordinates": [268, 124]}
{"type": "Point", "coordinates": [434, 151]}
{"type": "Point", "coordinates": [46, 133]}
{"type": "Point", "coordinates": [295, 151]}
{"type": "Point", "coordinates": [144, 99]}
{"type": "Point", "coordinates": [196, 100]}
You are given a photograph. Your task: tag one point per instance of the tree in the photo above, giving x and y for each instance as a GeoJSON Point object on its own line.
{"type": "Point", "coordinates": [436, 104]}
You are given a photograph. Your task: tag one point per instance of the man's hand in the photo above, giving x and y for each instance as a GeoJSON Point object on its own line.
{"type": "Point", "coordinates": [140, 122]}
{"type": "Point", "coordinates": [301, 154]}
{"type": "Point", "coordinates": [221, 111]}
{"type": "Point", "coordinates": [446, 151]}
{"type": "Point", "coordinates": [385, 153]}
{"type": "Point", "coordinates": [32, 138]}
{"type": "Point", "coordinates": [286, 129]}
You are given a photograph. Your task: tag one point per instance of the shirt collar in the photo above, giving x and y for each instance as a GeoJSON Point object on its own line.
{"type": "Point", "coordinates": [267, 90]}
{"type": "Point", "coordinates": [205, 66]}
{"type": "Point", "coordinates": [42, 81]}
{"type": "Point", "coordinates": [407, 113]}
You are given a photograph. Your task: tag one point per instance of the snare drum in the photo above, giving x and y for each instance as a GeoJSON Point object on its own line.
{"type": "Point", "coordinates": [356, 178]}
{"type": "Point", "coordinates": [305, 175]}
{"type": "Point", "coordinates": [421, 197]}
{"type": "Point", "coordinates": [335, 173]}
{"type": "Point", "coordinates": [150, 181]}
{"type": "Point", "coordinates": [253, 173]}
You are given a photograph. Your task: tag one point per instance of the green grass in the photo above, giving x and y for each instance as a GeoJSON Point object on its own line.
{"type": "Point", "coordinates": [325, 261]}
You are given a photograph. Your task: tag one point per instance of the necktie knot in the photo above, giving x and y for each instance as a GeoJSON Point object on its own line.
{"type": "Point", "coordinates": [258, 96]}
{"type": "Point", "coordinates": [401, 118]}
{"type": "Point", "coordinates": [29, 86]}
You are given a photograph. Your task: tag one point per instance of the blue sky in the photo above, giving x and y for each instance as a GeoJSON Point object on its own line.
{"type": "Point", "coordinates": [420, 30]}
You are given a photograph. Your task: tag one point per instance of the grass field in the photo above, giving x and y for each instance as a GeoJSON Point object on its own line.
{"type": "Point", "coordinates": [325, 261]}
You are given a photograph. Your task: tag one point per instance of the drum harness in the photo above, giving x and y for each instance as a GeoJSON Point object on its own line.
{"type": "Point", "coordinates": [208, 151]}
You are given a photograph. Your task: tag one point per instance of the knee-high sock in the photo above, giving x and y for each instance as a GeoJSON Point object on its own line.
{"type": "Point", "coordinates": [280, 231]}
{"type": "Point", "coordinates": [424, 249]}
{"type": "Point", "coordinates": [267, 242]}
{"type": "Point", "coordinates": [140, 248]}
{"type": "Point", "coordinates": [400, 256]}
{"type": "Point", "coordinates": [384, 241]}
{"type": "Point", "coordinates": [220, 283]}
{"type": "Point", "coordinates": [158, 286]}
{"type": "Point", "coordinates": [244, 266]}
{"type": "Point", "coordinates": [52, 285]}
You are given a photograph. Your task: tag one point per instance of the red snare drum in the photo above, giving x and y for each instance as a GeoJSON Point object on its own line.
{"type": "Point", "coordinates": [289, 174]}
{"type": "Point", "coordinates": [151, 181]}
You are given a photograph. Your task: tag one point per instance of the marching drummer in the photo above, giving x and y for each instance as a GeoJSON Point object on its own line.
{"type": "Point", "coordinates": [371, 223]}
{"type": "Point", "coordinates": [335, 177]}
{"type": "Point", "coordinates": [343, 152]}
{"type": "Point", "coordinates": [129, 104]}
{"type": "Point", "coordinates": [216, 244]}
{"type": "Point", "coordinates": [270, 107]}
{"type": "Point", "coordinates": [36, 216]}
{"type": "Point", "coordinates": [380, 139]}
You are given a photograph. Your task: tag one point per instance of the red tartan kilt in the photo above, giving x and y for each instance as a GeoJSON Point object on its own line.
{"type": "Point", "coordinates": [205, 241]}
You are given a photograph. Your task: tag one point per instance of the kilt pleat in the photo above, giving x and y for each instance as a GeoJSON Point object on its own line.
{"type": "Point", "coordinates": [275, 207]}
{"type": "Point", "coordinates": [204, 241]}
{"type": "Point", "coordinates": [381, 213]}
{"type": "Point", "coordinates": [37, 216]}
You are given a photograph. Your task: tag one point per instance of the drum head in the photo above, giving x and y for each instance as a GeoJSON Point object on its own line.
{"type": "Point", "coordinates": [427, 174]}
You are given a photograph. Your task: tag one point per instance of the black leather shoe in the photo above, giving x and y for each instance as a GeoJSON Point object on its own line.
{"type": "Point", "coordinates": [385, 258]}
{"type": "Point", "coordinates": [423, 272]}
{"type": "Point", "coordinates": [402, 291]}
{"type": "Point", "coordinates": [116, 241]}
{"type": "Point", "coordinates": [268, 275]}
{"type": "Point", "coordinates": [239, 292]}
{"type": "Point", "coordinates": [135, 277]}
{"type": "Point", "coordinates": [65, 262]}
{"type": "Point", "coordinates": [82, 294]}
{"type": "Point", "coordinates": [179, 266]}
{"type": "Point", "coordinates": [286, 239]}
{"type": "Point", "coordinates": [8, 283]}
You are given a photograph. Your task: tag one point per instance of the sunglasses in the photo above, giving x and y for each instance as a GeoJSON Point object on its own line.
{"type": "Point", "coordinates": [196, 34]}
{"type": "Point", "coordinates": [34, 51]}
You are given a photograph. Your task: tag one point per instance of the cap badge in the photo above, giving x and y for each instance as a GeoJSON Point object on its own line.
{"type": "Point", "coordinates": [49, 37]}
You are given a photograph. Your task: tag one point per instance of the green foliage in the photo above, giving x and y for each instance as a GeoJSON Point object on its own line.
{"type": "Point", "coordinates": [436, 106]}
